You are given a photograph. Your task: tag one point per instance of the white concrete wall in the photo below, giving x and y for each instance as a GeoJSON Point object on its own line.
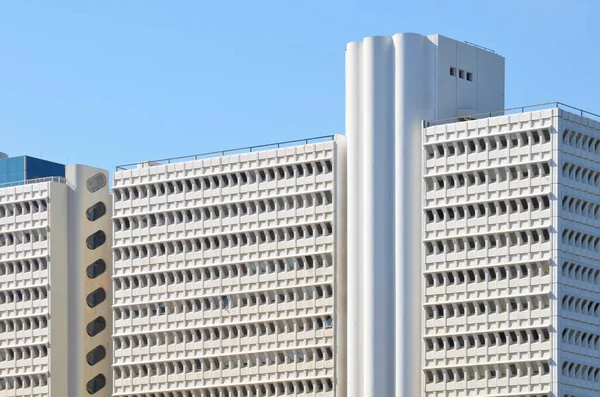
{"type": "Point", "coordinates": [340, 197]}
{"type": "Point", "coordinates": [80, 198]}
{"type": "Point", "coordinates": [59, 286]}
{"type": "Point", "coordinates": [457, 95]}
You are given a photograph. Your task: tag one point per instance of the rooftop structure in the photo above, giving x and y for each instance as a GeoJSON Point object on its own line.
{"type": "Point", "coordinates": [23, 168]}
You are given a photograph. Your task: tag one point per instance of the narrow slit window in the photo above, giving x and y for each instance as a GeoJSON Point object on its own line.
{"type": "Point", "coordinates": [96, 240]}
{"type": "Point", "coordinates": [96, 355]}
{"type": "Point", "coordinates": [96, 211]}
{"type": "Point", "coordinates": [95, 384]}
{"type": "Point", "coordinates": [96, 297]}
{"type": "Point", "coordinates": [96, 326]}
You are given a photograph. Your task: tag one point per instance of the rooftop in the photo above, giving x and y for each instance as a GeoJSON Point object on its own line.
{"type": "Point", "coordinates": [58, 179]}
{"type": "Point", "coordinates": [522, 109]}
{"type": "Point", "coordinates": [248, 149]}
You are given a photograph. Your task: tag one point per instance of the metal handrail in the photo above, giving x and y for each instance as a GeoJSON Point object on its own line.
{"type": "Point", "coordinates": [517, 110]}
{"type": "Point", "coordinates": [59, 179]}
{"type": "Point", "coordinates": [248, 149]}
{"type": "Point", "coordinates": [481, 47]}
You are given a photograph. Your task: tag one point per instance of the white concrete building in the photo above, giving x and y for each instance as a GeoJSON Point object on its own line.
{"type": "Point", "coordinates": [500, 293]}
{"type": "Point", "coordinates": [512, 255]}
{"type": "Point", "coordinates": [228, 274]}
{"type": "Point", "coordinates": [392, 85]}
{"type": "Point", "coordinates": [54, 285]}
{"type": "Point", "coordinates": [466, 261]}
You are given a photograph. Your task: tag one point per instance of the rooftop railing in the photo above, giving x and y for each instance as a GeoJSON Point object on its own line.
{"type": "Point", "coordinates": [248, 149]}
{"type": "Point", "coordinates": [58, 179]}
{"type": "Point", "coordinates": [481, 47]}
{"type": "Point", "coordinates": [517, 110]}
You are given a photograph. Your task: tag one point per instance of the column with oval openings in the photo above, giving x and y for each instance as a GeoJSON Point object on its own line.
{"type": "Point", "coordinates": [96, 295]}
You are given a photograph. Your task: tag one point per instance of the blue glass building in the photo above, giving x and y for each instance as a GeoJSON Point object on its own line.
{"type": "Point", "coordinates": [22, 168]}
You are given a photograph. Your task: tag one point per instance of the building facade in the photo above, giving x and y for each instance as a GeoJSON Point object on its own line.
{"type": "Point", "coordinates": [413, 257]}
{"type": "Point", "coordinates": [392, 85]}
{"type": "Point", "coordinates": [228, 275]}
{"type": "Point", "coordinates": [54, 284]}
{"type": "Point", "coordinates": [511, 266]}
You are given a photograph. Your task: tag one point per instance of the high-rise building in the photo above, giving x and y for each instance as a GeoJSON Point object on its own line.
{"type": "Point", "coordinates": [453, 249]}
{"type": "Point", "coordinates": [54, 280]}
{"type": "Point", "coordinates": [512, 255]}
{"type": "Point", "coordinates": [229, 274]}
{"type": "Point", "coordinates": [392, 85]}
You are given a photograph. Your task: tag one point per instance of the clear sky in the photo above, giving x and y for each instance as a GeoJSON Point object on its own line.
{"type": "Point", "coordinates": [112, 82]}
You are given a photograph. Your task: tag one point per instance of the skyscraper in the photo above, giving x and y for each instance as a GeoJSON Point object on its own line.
{"type": "Point", "coordinates": [445, 247]}
{"type": "Point", "coordinates": [228, 273]}
{"type": "Point", "coordinates": [54, 280]}
{"type": "Point", "coordinates": [392, 85]}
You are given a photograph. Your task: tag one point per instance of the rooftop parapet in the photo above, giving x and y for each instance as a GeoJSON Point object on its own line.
{"type": "Point", "coordinates": [249, 149]}
{"type": "Point", "coordinates": [517, 110]}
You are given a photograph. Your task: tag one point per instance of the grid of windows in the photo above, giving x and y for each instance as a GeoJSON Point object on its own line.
{"type": "Point", "coordinates": [578, 259]}
{"type": "Point", "coordinates": [511, 247]}
{"type": "Point", "coordinates": [224, 276]}
{"type": "Point", "coordinates": [488, 235]}
{"type": "Point", "coordinates": [24, 291]}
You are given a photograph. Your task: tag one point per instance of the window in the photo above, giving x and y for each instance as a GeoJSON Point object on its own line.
{"type": "Point", "coordinates": [95, 240]}
{"type": "Point", "coordinates": [96, 326]}
{"type": "Point", "coordinates": [96, 211]}
{"type": "Point", "coordinates": [96, 355]}
{"type": "Point", "coordinates": [96, 269]}
{"type": "Point", "coordinates": [96, 384]}
{"type": "Point", "coordinates": [469, 76]}
{"type": "Point", "coordinates": [452, 71]}
{"type": "Point", "coordinates": [96, 297]}
{"type": "Point", "coordinates": [329, 322]}
{"type": "Point", "coordinates": [96, 182]}
{"type": "Point", "coordinates": [461, 73]}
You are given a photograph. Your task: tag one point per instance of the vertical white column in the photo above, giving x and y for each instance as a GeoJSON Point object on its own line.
{"type": "Point", "coordinates": [393, 84]}
{"type": "Point", "coordinates": [354, 285]}
{"type": "Point", "coordinates": [415, 102]}
{"type": "Point", "coordinates": [370, 130]}
{"type": "Point", "coordinates": [378, 212]}
{"type": "Point", "coordinates": [389, 91]}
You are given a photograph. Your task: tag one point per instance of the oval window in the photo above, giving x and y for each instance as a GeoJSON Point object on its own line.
{"type": "Point", "coordinates": [95, 240]}
{"type": "Point", "coordinates": [96, 326]}
{"type": "Point", "coordinates": [96, 211]}
{"type": "Point", "coordinates": [96, 355]}
{"type": "Point", "coordinates": [96, 182]}
{"type": "Point", "coordinates": [96, 383]}
{"type": "Point", "coordinates": [96, 269]}
{"type": "Point", "coordinates": [95, 298]}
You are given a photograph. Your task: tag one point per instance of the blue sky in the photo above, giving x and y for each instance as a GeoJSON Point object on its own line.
{"type": "Point", "coordinates": [112, 82]}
